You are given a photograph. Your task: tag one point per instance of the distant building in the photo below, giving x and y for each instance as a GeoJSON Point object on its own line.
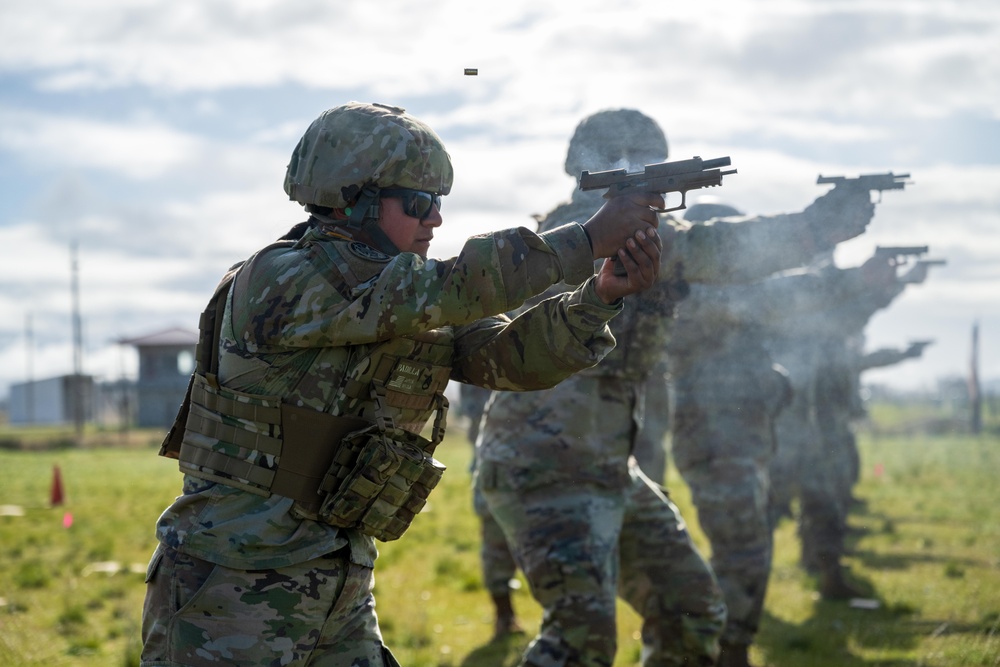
{"type": "Point", "coordinates": [166, 360]}
{"type": "Point", "coordinates": [52, 402]}
{"type": "Point", "coordinates": [115, 404]}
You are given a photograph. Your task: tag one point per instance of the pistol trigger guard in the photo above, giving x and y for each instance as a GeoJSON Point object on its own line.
{"type": "Point", "coordinates": [679, 207]}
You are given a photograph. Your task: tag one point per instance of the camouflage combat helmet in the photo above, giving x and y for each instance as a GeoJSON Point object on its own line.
{"type": "Point", "coordinates": [615, 138]}
{"type": "Point", "coordinates": [355, 150]}
{"type": "Point", "coordinates": [706, 210]}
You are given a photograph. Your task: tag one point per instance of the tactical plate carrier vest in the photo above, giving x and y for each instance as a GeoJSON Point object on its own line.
{"type": "Point", "coordinates": [344, 471]}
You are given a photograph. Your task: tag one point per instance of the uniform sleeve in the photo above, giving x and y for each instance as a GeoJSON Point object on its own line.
{"type": "Point", "coordinates": [798, 295]}
{"type": "Point", "coordinates": [773, 299]}
{"type": "Point", "coordinates": [837, 303]}
{"type": "Point", "coordinates": [538, 348]}
{"type": "Point", "coordinates": [881, 358]}
{"type": "Point", "coordinates": [299, 298]}
{"type": "Point", "coordinates": [723, 252]}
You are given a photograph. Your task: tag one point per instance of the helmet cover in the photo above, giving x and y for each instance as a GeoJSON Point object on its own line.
{"type": "Point", "coordinates": [356, 145]}
{"type": "Point", "coordinates": [615, 138]}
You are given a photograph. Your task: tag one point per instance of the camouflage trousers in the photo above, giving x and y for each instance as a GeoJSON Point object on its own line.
{"type": "Point", "coordinates": [320, 613]}
{"type": "Point", "coordinates": [731, 495]}
{"type": "Point", "coordinates": [494, 554]}
{"type": "Point", "coordinates": [650, 450]}
{"type": "Point", "coordinates": [806, 467]}
{"type": "Point", "coordinates": [841, 449]}
{"type": "Point", "coordinates": [581, 547]}
{"type": "Point", "coordinates": [722, 449]}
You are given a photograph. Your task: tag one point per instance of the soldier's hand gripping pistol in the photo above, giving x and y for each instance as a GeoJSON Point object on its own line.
{"type": "Point", "coordinates": [899, 255]}
{"type": "Point", "coordinates": [662, 177]}
{"type": "Point", "coordinates": [845, 211]}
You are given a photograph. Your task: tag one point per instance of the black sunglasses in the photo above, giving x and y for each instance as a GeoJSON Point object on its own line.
{"type": "Point", "coordinates": [416, 203]}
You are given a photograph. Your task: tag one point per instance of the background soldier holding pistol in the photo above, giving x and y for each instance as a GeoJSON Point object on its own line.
{"type": "Point", "coordinates": [323, 356]}
{"type": "Point", "coordinates": [584, 522]}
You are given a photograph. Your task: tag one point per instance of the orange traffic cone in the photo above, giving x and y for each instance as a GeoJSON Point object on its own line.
{"type": "Point", "coordinates": [56, 497]}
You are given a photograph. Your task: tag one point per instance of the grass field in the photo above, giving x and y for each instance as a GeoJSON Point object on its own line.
{"type": "Point", "coordinates": [926, 540]}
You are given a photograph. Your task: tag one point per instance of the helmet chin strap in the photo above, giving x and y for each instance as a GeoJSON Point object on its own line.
{"type": "Point", "coordinates": [364, 216]}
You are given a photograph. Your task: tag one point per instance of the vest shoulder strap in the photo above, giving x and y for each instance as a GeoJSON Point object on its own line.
{"type": "Point", "coordinates": [206, 354]}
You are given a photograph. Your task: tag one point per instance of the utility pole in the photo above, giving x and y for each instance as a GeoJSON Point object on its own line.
{"type": "Point", "coordinates": [123, 398]}
{"type": "Point", "coordinates": [78, 388]}
{"type": "Point", "coordinates": [29, 397]}
{"type": "Point", "coordinates": [975, 395]}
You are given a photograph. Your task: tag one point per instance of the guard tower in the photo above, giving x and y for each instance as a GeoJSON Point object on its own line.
{"type": "Point", "coordinates": [166, 361]}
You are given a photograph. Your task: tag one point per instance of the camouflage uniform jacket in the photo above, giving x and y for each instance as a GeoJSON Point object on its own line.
{"type": "Point", "coordinates": [842, 314]}
{"type": "Point", "coordinates": [813, 347]}
{"type": "Point", "coordinates": [717, 342]}
{"type": "Point", "coordinates": [583, 430]}
{"type": "Point", "coordinates": [862, 361]}
{"type": "Point", "coordinates": [305, 313]}
{"type": "Point", "coordinates": [719, 360]}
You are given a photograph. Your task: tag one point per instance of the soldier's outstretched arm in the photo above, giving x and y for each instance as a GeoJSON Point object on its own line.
{"type": "Point", "coordinates": [839, 215]}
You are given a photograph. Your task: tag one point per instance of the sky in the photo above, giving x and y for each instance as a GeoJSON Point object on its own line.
{"type": "Point", "coordinates": [153, 136]}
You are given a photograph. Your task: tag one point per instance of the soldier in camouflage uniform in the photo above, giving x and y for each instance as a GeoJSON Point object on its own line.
{"type": "Point", "coordinates": [814, 458]}
{"type": "Point", "coordinates": [322, 358]}
{"type": "Point", "coordinates": [864, 361]}
{"type": "Point", "coordinates": [650, 439]}
{"type": "Point", "coordinates": [880, 358]}
{"type": "Point", "coordinates": [841, 405]}
{"type": "Point", "coordinates": [727, 393]}
{"type": "Point", "coordinates": [838, 401]}
{"type": "Point", "coordinates": [555, 466]}
{"type": "Point", "coordinates": [852, 409]}
{"type": "Point", "coordinates": [497, 563]}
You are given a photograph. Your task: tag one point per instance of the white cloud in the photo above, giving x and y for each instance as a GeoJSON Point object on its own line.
{"type": "Point", "coordinates": [161, 205]}
{"type": "Point", "coordinates": [142, 151]}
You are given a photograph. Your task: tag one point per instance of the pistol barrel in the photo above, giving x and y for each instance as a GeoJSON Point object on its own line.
{"type": "Point", "coordinates": [715, 163]}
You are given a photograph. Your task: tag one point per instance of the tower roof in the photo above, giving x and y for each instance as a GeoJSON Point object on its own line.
{"type": "Point", "coordinates": [166, 337]}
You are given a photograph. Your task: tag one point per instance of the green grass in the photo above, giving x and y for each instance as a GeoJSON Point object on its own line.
{"type": "Point", "coordinates": [64, 602]}
{"type": "Point", "coordinates": [926, 539]}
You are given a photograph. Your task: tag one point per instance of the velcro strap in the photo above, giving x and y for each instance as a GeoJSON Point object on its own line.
{"type": "Point", "coordinates": [211, 426]}
{"type": "Point", "coordinates": [224, 468]}
{"type": "Point", "coordinates": [355, 389]}
{"type": "Point", "coordinates": [202, 394]}
{"type": "Point", "coordinates": [384, 368]}
{"type": "Point", "coordinates": [358, 389]}
{"type": "Point", "coordinates": [397, 399]}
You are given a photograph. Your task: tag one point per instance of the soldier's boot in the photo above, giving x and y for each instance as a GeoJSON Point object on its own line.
{"type": "Point", "coordinates": [506, 621]}
{"type": "Point", "coordinates": [733, 655]}
{"type": "Point", "coordinates": [833, 585]}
